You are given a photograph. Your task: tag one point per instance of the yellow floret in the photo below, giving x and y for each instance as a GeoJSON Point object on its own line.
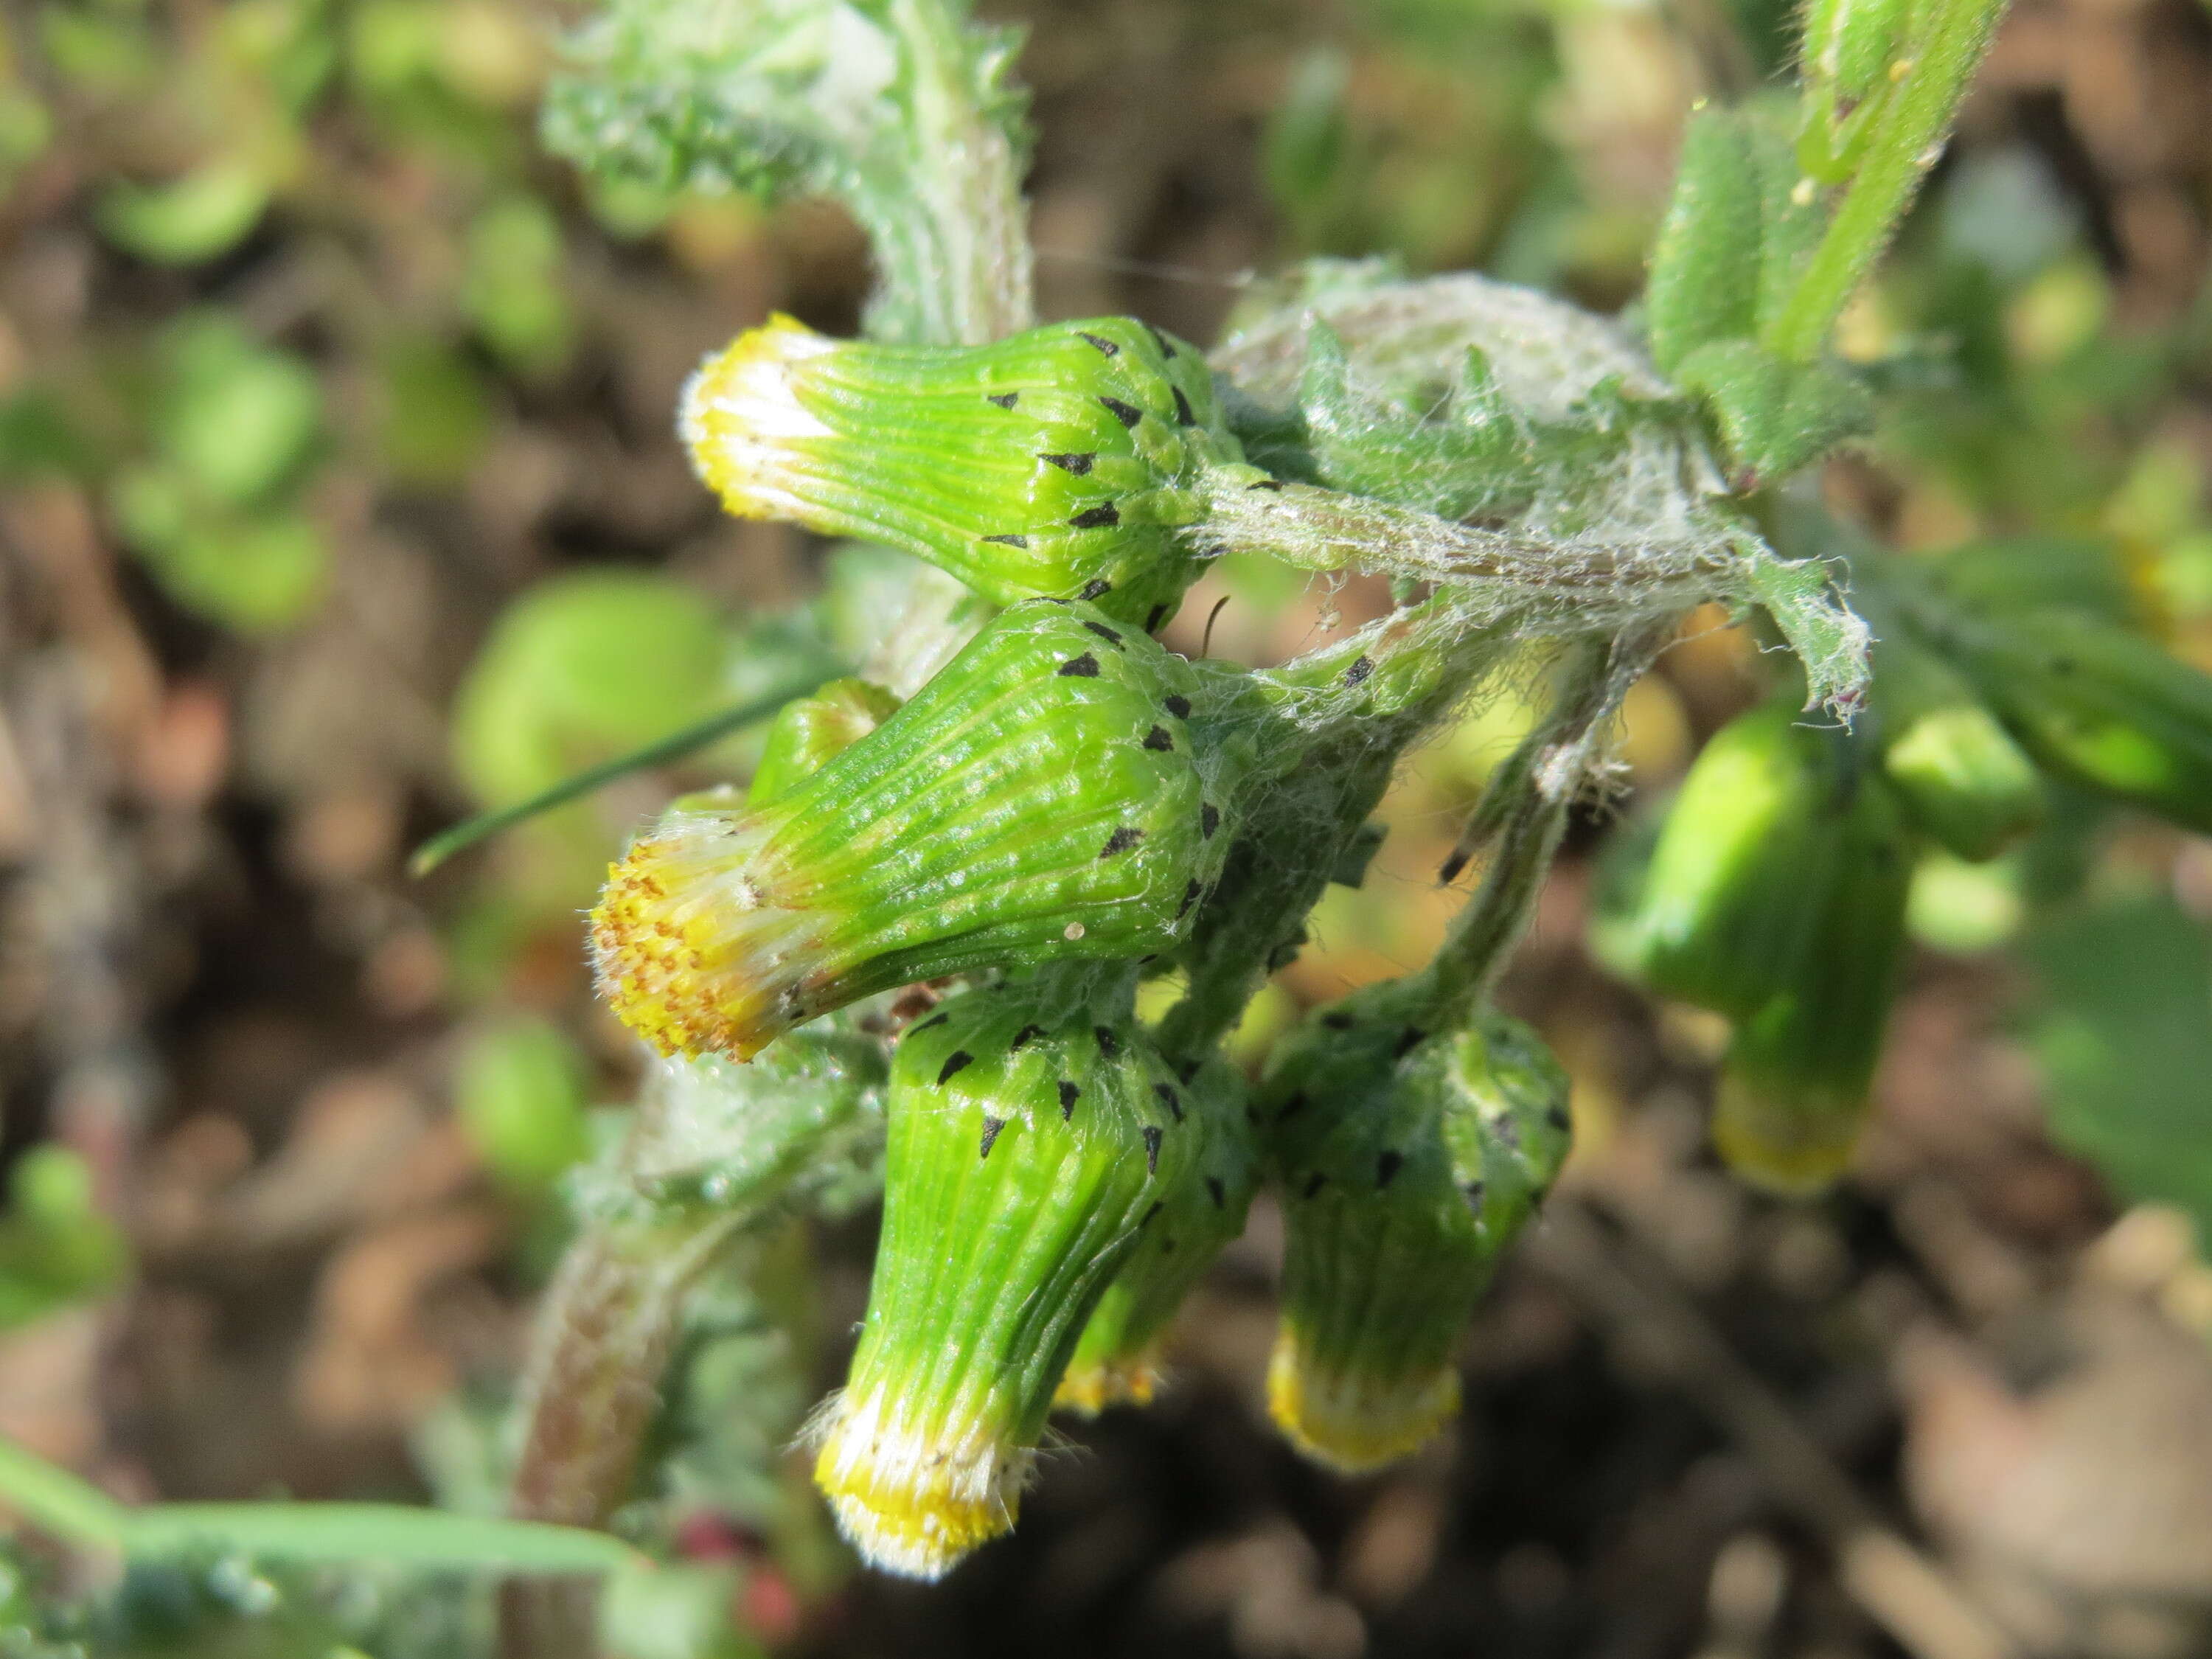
{"type": "Point", "coordinates": [1354, 1422]}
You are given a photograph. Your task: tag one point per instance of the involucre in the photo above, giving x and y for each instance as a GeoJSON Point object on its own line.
{"type": "Point", "coordinates": [1058, 791]}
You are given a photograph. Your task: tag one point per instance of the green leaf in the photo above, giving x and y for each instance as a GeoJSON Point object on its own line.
{"type": "Point", "coordinates": [1831, 640]}
{"type": "Point", "coordinates": [55, 1500]}
{"type": "Point", "coordinates": [1704, 267]}
{"type": "Point", "coordinates": [519, 1089]}
{"type": "Point", "coordinates": [580, 667]}
{"type": "Point", "coordinates": [2121, 1020]}
{"type": "Point", "coordinates": [1774, 417]}
{"type": "Point", "coordinates": [256, 576]}
{"type": "Point", "coordinates": [901, 113]}
{"type": "Point", "coordinates": [188, 220]}
{"type": "Point", "coordinates": [392, 1532]}
{"type": "Point", "coordinates": [512, 289]}
{"type": "Point", "coordinates": [239, 419]}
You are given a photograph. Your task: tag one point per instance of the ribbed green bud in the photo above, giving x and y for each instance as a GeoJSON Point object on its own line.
{"type": "Point", "coordinates": [1059, 790]}
{"type": "Point", "coordinates": [1756, 823]}
{"type": "Point", "coordinates": [1408, 1163]}
{"type": "Point", "coordinates": [2100, 707]}
{"type": "Point", "coordinates": [1794, 1091]}
{"type": "Point", "coordinates": [808, 731]}
{"type": "Point", "coordinates": [1959, 774]}
{"type": "Point", "coordinates": [1061, 462]}
{"type": "Point", "coordinates": [1035, 1137]}
{"type": "Point", "coordinates": [1118, 1359]}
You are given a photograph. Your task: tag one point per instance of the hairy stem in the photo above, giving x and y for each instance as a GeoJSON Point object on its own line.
{"type": "Point", "coordinates": [1521, 816]}
{"type": "Point", "coordinates": [1908, 142]}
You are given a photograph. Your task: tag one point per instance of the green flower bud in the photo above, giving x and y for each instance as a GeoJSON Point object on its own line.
{"type": "Point", "coordinates": [1117, 1360]}
{"type": "Point", "coordinates": [1059, 462]}
{"type": "Point", "coordinates": [807, 732]}
{"type": "Point", "coordinates": [1794, 1091]}
{"type": "Point", "coordinates": [1754, 826]}
{"type": "Point", "coordinates": [2100, 707]}
{"type": "Point", "coordinates": [1958, 775]}
{"type": "Point", "coordinates": [1059, 790]}
{"type": "Point", "coordinates": [1035, 1137]}
{"type": "Point", "coordinates": [1408, 1163]}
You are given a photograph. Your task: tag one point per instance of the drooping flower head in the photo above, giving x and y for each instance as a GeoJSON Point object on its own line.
{"type": "Point", "coordinates": [1058, 791]}
{"type": "Point", "coordinates": [1776, 896]}
{"type": "Point", "coordinates": [1407, 1162]}
{"type": "Point", "coordinates": [1794, 1089]}
{"type": "Point", "coordinates": [1036, 1138]}
{"type": "Point", "coordinates": [1117, 1361]}
{"type": "Point", "coordinates": [1061, 461]}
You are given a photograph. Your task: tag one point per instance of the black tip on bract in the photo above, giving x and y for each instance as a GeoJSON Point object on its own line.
{"type": "Point", "coordinates": [1377, 1133]}
{"type": "Point", "coordinates": [994, 1178]}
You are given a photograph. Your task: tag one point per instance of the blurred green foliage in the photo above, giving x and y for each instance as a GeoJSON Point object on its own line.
{"type": "Point", "coordinates": [567, 678]}
{"type": "Point", "coordinates": [2120, 1018]}
{"type": "Point", "coordinates": [519, 1087]}
{"type": "Point", "coordinates": [57, 1246]}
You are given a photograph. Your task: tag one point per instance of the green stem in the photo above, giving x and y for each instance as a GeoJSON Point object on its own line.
{"type": "Point", "coordinates": [1907, 143]}
{"type": "Point", "coordinates": [677, 744]}
{"type": "Point", "coordinates": [1522, 814]}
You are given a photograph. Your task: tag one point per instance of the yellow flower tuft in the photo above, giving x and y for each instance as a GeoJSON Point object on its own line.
{"type": "Point", "coordinates": [1354, 1421]}
{"type": "Point", "coordinates": [1090, 1387]}
{"type": "Point", "coordinates": [739, 415]}
{"type": "Point", "coordinates": [914, 1496]}
{"type": "Point", "coordinates": [690, 952]}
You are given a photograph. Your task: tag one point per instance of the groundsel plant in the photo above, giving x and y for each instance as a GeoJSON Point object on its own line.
{"type": "Point", "coordinates": [911, 950]}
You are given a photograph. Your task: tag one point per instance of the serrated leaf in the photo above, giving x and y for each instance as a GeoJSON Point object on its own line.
{"type": "Point", "coordinates": [900, 112]}
{"type": "Point", "coordinates": [1774, 417]}
{"type": "Point", "coordinates": [1831, 640]}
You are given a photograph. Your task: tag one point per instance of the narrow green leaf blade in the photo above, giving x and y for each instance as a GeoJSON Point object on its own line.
{"type": "Point", "coordinates": [55, 1501]}
{"type": "Point", "coordinates": [393, 1532]}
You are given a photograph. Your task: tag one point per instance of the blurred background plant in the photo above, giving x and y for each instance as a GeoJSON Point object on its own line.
{"type": "Point", "coordinates": [339, 482]}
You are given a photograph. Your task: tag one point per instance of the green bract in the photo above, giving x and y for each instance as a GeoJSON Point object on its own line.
{"type": "Point", "coordinates": [1061, 462]}
{"type": "Point", "coordinates": [1775, 895]}
{"type": "Point", "coordinates": [1036, 1134]}
{"type": "Point", "coordinates": [2099, 707]}
{"type": "Point", "coordinates": [1793, 1092]}
{"type": "Point", "coordinates": [1408, 1163]}
{"type": "Point", "coordinates": [1720, 903]}
{"type": "Point", "coordinates": [1058, 790]}
{"type": "Point", "coordinates": [808, 731]}
{"type": "Point", "coordinates": [1116, 1361]}
{"type": "Point", "coordinates": [1958, 775]}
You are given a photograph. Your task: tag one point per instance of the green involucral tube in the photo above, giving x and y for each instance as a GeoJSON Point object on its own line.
{"type": "Point", "coordinates": [1117, 1360]}
{"type": "Point", "coordinates": [1036, 1138]}
{"type": "Point", "coordinates": [1062, 789]}
{"type": "Point", "coordinates": [1958, 775]}
{"type": "Point", "coordinates": [1407, 1162]}
{"type": "Point", "coordinates": [2098, 706]}
{"type": "Point", "coordinates": [1757, 824]}
{"type": "Point", "coordinates": [1794, 1089]}
{"type": "Point", "coordinates": [1061, 462]}
{"type": "Point", "coordinates": [807, 732]}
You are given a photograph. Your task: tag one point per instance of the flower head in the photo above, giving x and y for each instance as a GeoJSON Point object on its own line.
{"type": "Point", "coordinates": [1116, 1361]}
{"type": "Point", "coordinates": [1058, 791]}
{"type": "Point", "coordinates": [1061, 462]}
{"type": "Point", "coordinates": [1408, 1163]}
{"type": "Point", "coordinates": [1033, 1142]}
